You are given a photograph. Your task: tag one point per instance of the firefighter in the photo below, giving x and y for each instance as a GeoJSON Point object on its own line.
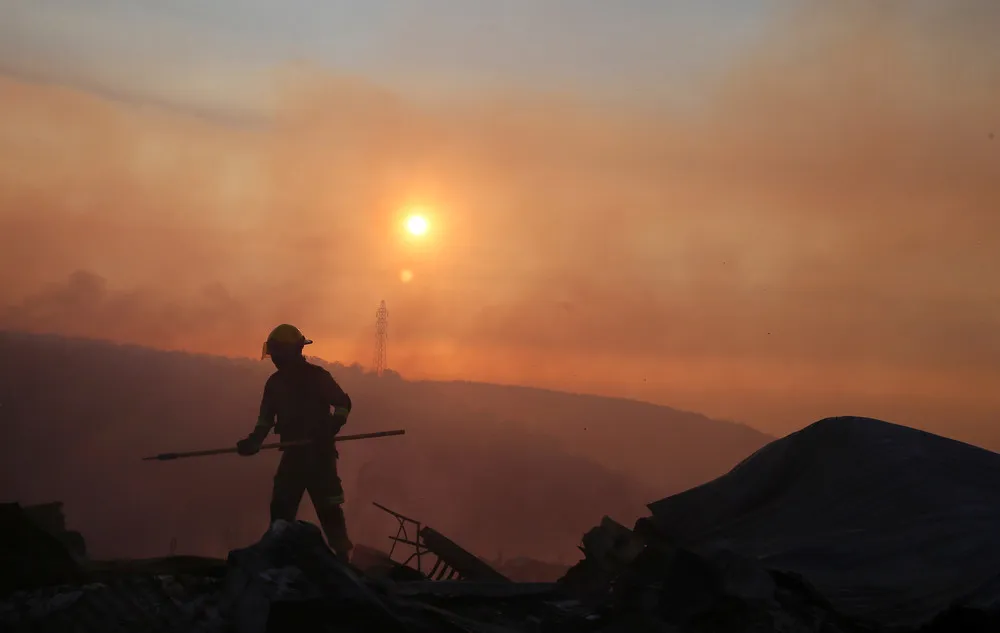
{"type": "Point", "coordinates": [296, 403]}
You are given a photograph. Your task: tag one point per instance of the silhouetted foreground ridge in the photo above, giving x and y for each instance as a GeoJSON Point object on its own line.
{"type": "Point", "coordinates": [850, 525]}
{"type": "Point", "coordinates": [892, 524]}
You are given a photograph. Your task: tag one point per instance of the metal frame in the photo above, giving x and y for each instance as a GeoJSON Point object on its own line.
{"type": "Point", "coordinates": [440, 570]}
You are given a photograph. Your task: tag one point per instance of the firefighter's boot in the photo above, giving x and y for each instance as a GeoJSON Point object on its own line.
{"type": "Point", "coordinates": [334, 524]}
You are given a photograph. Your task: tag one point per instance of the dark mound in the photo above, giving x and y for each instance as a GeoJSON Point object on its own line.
{"type": "Point", "coordinates": [891, 524]}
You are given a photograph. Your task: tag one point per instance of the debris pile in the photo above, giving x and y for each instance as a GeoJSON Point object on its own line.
{"type": "Point", "coordinates": [291, 578]}
{"type": "Point", "coordinates": [647, 583]}
{"type": "Point", "coordinates": [530, 570]}
{"type": "Point", "coordinates": [451, 561]}
{"type": "Point", "coordinates": [133, 602]}
{"type": "Point", "coordinates": [30, 556]}
{"type": "Point", "coordinates": [895, 526]}
{"type": "Point", "coordinates": [290, 581]}
{"type": "Point", "coordinates": [608, 550]}
{"type": "Point", "coordinates": [751, 551]}
{"type": "Point", "coordinates": [50, 517]}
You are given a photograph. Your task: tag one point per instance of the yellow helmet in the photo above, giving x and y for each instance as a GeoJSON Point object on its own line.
{"type": "Point", "coordinates": [284, 334]}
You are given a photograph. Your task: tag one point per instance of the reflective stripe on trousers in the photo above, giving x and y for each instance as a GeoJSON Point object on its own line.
{"type": "Point", "coordinates": [334, 500]}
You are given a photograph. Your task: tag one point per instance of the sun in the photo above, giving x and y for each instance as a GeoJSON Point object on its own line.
{"type": "Point", "coordinates": [417, 224]}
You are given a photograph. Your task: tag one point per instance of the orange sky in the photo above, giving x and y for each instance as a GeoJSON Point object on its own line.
{"type": "Point", "coordinates": [822, 237]}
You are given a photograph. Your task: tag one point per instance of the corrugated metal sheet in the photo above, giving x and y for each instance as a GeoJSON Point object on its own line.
{"type": "Point", "coordinates": [893, 525]}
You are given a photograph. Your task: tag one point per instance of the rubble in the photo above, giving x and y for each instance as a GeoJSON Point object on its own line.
{"type": "Point", "coordinates": [50, 517]}
{"type": "Point", "coordinates": [291, 581]}
{"type": "Point", "coordinates": [291, 574]}
{"type": "Point", "coordinates": [692, 592]}
{"type": "Point", "coordinates": [375, 563]}
{"type": "Point", "coordinates": [845, 503]}
{"type": "Point", "coordinates": [608, 550]}
{"type": "Point", "coordinates": [31, 557]}
{"type": "Point", "coordinates": [467, 589]}
{"type": "Point", "coordinates": [661, 576]}
{"type": "Point", "coordinates": [645, 582]}
{"type": "Point", "coordinates": [140, 603]}
{"type": "Point", "coordinates": [467, 566]}
{"type": "Point", "coordinates": [522, 569]}
{"type": "Point", "coordinates": [451, 560]}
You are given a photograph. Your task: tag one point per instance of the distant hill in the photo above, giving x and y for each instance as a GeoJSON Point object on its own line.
{"type": "Point", "coordinates": [505, 471]}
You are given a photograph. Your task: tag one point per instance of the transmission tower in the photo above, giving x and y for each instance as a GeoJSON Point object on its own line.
{"type": "Point", "coordinates": [381, 336]}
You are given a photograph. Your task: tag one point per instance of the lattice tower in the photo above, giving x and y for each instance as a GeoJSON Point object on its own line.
{"type": "Point", "coordinates": [381, 337]}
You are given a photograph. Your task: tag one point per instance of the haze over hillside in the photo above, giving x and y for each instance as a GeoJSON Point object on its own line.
{"type": "Point", "coordinates": [764, 210]}
{"type": "Point", "coordinates": [503, 470]}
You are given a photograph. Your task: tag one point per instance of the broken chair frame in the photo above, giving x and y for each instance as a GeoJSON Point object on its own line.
{"type": "Point", "coordinates": [440, 568]}
{"type": "Point", "coordinates": [451, 561]}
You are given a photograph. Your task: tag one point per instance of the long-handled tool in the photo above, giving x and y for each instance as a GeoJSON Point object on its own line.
{"type": "Point", "coordinates": [223, 451]}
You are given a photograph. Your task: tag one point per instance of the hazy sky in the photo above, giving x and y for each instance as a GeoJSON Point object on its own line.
{"type": "Point", "coordinates": [769, 211]}
{"type": "Point", "coordinates": [205, 50]}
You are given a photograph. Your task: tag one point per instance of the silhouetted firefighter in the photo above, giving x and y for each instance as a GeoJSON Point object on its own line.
{"type": "Point", "coordinates": [296, 403]}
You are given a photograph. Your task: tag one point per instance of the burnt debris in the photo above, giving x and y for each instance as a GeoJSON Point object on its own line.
{"type": "Point", "coordinates": [707, 560]}
{"type": "Point", "coordinates": [31, 556]}
{"type": "Point", "coordinates": [50, 517]}
{"type": "Point", "coordinates": [451, 561]}
{"type": "Point", "coordinates": [628, 580]}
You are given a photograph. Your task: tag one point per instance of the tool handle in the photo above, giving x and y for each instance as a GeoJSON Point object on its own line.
{"type": "Point", "coordinates": [162, 457]}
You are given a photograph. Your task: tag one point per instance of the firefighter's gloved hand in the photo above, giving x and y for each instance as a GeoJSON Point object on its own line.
{"type": "Point", "coordinates": [248, 446]}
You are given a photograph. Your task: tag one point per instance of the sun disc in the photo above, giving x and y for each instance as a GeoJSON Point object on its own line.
{"type": "Point", "coordinates": [417, 225]}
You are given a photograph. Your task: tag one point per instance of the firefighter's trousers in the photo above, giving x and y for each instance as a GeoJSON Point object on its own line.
{"type": "Point", "coordinates": [315, 471]}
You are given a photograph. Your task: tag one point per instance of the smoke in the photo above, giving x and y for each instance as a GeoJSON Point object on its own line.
{"type": "Point", "coordinates": [825, 225]}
